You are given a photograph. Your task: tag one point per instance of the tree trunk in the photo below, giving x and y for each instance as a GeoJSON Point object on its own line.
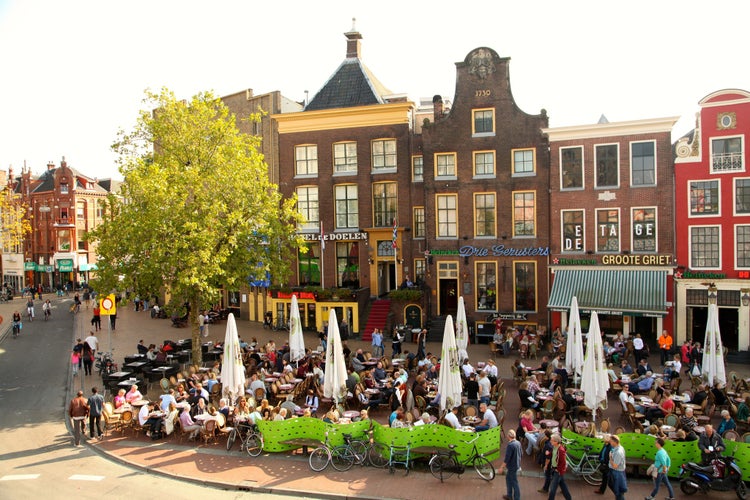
{"type": "Point", "coordinates": [196, 334]}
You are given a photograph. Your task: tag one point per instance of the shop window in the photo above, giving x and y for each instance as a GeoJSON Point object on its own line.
{"type": "Point", "coordinates": [309, 265]}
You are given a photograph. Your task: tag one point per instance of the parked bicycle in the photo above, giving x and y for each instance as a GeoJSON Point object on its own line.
{"type": "Point", "coordinates": [253, 442]}
{"type": "Point", "coordinates": [586, 466]}
{"type": "Point", "coordinates": [363, 451]}
{"type": "Point", "coordinates": [444, 464]}
{"type": "Point", "coordinates": [280, 324]}
{"type": "Point", "coordinates": [325, 454]}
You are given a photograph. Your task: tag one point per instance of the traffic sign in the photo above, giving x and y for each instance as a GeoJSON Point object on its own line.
{"type": "Point", "coordinates": [107, 306]}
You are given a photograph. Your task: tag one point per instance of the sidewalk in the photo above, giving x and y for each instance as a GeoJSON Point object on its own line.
{"type": "Point", "coordinates": [288, 473]}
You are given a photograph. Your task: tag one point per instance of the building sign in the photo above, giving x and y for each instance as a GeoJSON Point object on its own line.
{"type": "Point", "coordinates": [29, 266]}
{"type": "Point", "coordinates": [574, 262]}
{"type": "Point", "coordinates": [603, 311]}
{"type": "Point", "coordinates": [495, 251]}
{"type": "Point", "coordinates": [508, 316]}
{"type": "Point", "coordinates": [701, 276]}
{"type": "Point", "coordinates": [637, 260]}
{"type": "Point", "coordinates": [334, 236]}
{"type": "Point", "coordinates": [65, 265]}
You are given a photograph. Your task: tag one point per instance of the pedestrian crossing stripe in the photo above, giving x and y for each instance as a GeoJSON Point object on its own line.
{"type": "Point", "coordinates": [84, 477]}
{"type": "Point", "coordinates": [19, 477]}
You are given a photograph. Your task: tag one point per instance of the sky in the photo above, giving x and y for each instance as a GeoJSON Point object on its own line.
{"type": "Point", "coordinates": [74, 72]}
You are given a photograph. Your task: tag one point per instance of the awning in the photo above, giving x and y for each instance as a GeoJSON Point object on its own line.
{"type": "Point", "coordinates": [611, 291]}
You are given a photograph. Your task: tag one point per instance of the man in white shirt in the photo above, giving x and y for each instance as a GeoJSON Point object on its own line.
{"type": "Point", "coordinates": [467, 368]}
{"type": "Point", "coordinates": [638, 347]}
{"type": "Point", "coordinates": [452, 418]}
{"type": "Point", "coordinates": [425, 420]}
{"type": "Point", "coordinates": [93, 342]}
{"type": "Point", "coordinates": [489, 420]}
{"type": "Point", "coordinates": [484, 388]}
{"type": "Point", "coordinates": [255, 384]}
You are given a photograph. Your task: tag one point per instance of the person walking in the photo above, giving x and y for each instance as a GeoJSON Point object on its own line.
{"type": "Point", "coordinates": [78, 411]}
{"type": "Point", "coordinates": [421, 340]}
{"type": "Point", "coordinates": [559, 468]}
{"type": "Point", "coordinates": [96, 320]}
{"type": "Point", "coordinates": [377, 343]}
{"type": "Point", "coordinates": [546, 454]}
{"type": "Point", "coordinates": [96, 405]}
{"type": "Point", "coordinates": [662, 463]}
{"type": "Point", "coordinates": [604, 467]}
{"type": "Point", "coordinates": [512, 464]}
{"type": "Point", "coordinates": [618, 482]}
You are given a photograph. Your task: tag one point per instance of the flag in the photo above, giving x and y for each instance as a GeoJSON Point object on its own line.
{"type": "Point", "coordinates": [322, 237]}
{"type": "Point", "coordinates": [395, 232]}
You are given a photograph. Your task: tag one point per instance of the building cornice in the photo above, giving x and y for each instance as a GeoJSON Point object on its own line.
{"type": "Point", "coordinates": [340, 118]}
{"type": "Point", "coordinates": [634, 127]}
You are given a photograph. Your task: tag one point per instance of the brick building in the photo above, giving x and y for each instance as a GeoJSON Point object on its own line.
{"type": "Point", "coordinates": [713, 220]}
{"type": "Point", "coordinates": [611, 215]}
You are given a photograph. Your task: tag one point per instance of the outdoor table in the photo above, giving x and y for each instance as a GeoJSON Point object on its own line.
{"type": "Point", "coordinates": [129, 382]}
{"type": "Point", "coordinates": [270, 380]}
{"type": "Point", "coordinates": [699, 429]}
{"type": "Point", "coordinates": [277, 374]}
{"type": "Point", "coordinates": [297, 380]}
{"type": "Point", "coordinates": [135, 357]}
{"type": "Point", "coordinates": [141, 402]}
{"type": "Point", "coordinates": [667, 428]}
{"type": "Point", "coordinates": [467, 428]}
{"type": "Point", "coordinates": [286, 387]}
{"type": "Point", "coordinates": [581, 425]}
{"type": "Point", "coordinates": [692, 405]}
{"type": "Point", "coordinates": [471, 420]}
{"type": "Point", "coordinates": [679, 399]}
{"type": "Point", "coordinates": [120, 375]}
{"type": "Point", "coordinates": [125, 407]}
{"type": "Point", "coordinates": [551, 424]}
{"type": "Point", "coordinates": [350, 414]}
{"type": "Point", "coordinates": [135, 365]}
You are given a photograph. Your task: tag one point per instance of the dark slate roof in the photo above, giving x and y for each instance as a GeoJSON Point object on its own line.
{"type": "Point", "coordinates": [46, 181]}
{"type": "Point", "coordinates": [352, 84]}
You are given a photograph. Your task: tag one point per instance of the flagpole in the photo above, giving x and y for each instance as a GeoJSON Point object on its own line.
{"type": "Point", "coordinates": [395, 249]}
{"type": "Point", "coordinates": [322, 259]}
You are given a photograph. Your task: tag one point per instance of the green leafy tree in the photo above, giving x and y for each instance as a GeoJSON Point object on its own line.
{"type": "Point", "coordinates": [196, 212]}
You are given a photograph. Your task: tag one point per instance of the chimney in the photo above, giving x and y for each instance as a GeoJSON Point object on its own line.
{"type": "Point", "coordinates": [437, 107]}
{"type": "Point", "coordinates": [50, 165]}
{"type": "Point", "coordinates": [63, 163]}
{"type": "Point", "coordinates": [248, 94]}
{"type": "Point", "coordinates": [353, 38]}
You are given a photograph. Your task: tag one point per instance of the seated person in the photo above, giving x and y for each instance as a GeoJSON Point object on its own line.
{"type": "Point", "coordinates": [531, 432]}
{"type": "Point", "coordinates": [311, 401]}
{"type": "Point", "coordinates": [369, 402]}
{"type": "Point", "coordinates": [166, 399]}
{"type": "Point", "coordinates": [687, 421]}
{"type": "Point", "coordinates": [119, 400]}
{"type": "Point", "coordinates": [142, 349]}
{"type": "Point", "coordinates": [700, 395]}
{"type": "Point", "coordinates": [424, 420]}
{"type": "Point", "coordinates": [527, 399]}
{"type": "Point", "coordinates": [643, 384]}
{"type": "Point", "coordinates": [666, 407]}
{"type": "Point", "coordinates": [682, 436]}
{"type": "Point", "coordinates": [727, 423]}
{"type": "Point", "coordinates": [188, 425]}
{"type": "Point", "coordinates": [625, 368]}
{"type": "Point", "coordinates": [451, 418]}
{"type": "Point", "coordinates": [224, 408]}
{"type": "Point", "coordinates": [710, 443]}
{"type": "Point", "coordinates": [154, 421]}
{"type": "Point", "coordinates": [643, 367]}
{"type": "Point", "coordinates": [379, 373]}
{"type": "Point", "coordinates": [720, 397]}
{"type": "Point", "coordinates": [489, 420]}
{"type": "Point", "coordinates": [743, 410]}
{"type": "Point", "coordinates": [672, 372]}
{"type": "Point", "coordinates": [133, 394]}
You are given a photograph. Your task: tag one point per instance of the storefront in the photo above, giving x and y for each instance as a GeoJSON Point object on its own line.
{"type": "Point", "coordinates": [312, 311]}
{"type": "Point", "coordinates": [628, 298]}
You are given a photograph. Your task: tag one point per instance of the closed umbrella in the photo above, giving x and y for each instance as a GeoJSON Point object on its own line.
{"type": "Point", "coordinates": [449, 379]}
{"type": "Point", "coordinates": [296, 339]}
{"type": "Point", "coordinates": [334, 383]}
{"type": "Point", "coordinates": [595, 380]}
{"type": "Point", "coordinates": [574, 346]}
{"type": "Point", "coordinates": [462, 331]}
{"type": "Point", "coordinates": [232, 368]}
{"type": "Point", "coordinates": [713, 352]}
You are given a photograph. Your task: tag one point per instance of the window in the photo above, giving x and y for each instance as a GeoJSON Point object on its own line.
{"type": "Point", "coordinates": [607, 166]}
{"type": "Point", "coordinates": [419, 222]}
{"type": "Point", "coordinates": [100, 210]}
{"type": "Point", "coordinates": [704, 198]}
{"type": "Point", "coordinates": [484, 121]}
{"type": "Point", "coordinates": [345, 157]}
{"type": "Point", "coordinates": [484, 163]}
{"type": "Point", "coordinates": [704, 247]}
{"type": "Point", "coordinates": [64, 215]}
{"type": "Point", "coordinates": [726, 154]}
{"type": "Point", "coordinates": [572, 231]}
{"type": "Point", "coordinates": [420, 270]}
{"type": "Point", "coordinates": [63, 189]}
{"type": "Point", "coordinates": [642, 164]}
{"type": "Point", "coordinates": [82, 245]}
{"type": "Point", "coordinates": [523, 161]}
{"type": "Point", "coordinates": [447, 216]}
{"type": "Point", "coordinates": [417, 169]}
{"type": "Point", "coordinates": [742, 196]}
{"type": "Point", "coordinates": [347, 264]}
{"type": "Point", "coordinates": [347, 207]}
{"type": "Point", "coordinates": [307, 204]}
{"type": "Point", "coordinates": [309, 265]}
{"type": "Point", "coordinates": [571, 168]}
{"type": "Point", "coordinates": [524, 279]}
{"type": "Point", "coordinates": [384, 154]}
{"type": "Point", "coordinates": [484, 214]}
{"type": "Point", "coordinates": [80, 211]}
{"type": "Point", "coordinates": [384, 203]}
{"type": "Point", "coordinates": [644, 230]}
{"type": "Point", "coordinates": [486, 287]}
{"type": "Point", "coordinates": [445, 165]}
{"type": "Point", "coordinates": [608, 230]}
{"type": "Point", "coordinates": [524, 213]}
{"type": "Point", "coordinates": [306, 159]}
{"type": "Point", "coordinates": [743, 246]}
{"type": "Point", "coordinates": [63, 240]}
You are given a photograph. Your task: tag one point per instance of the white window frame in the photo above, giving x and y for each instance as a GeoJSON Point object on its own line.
{"type": "Point", "coordinates": [562, 232]}
{"type": "Point", "coordinates": [583, 170]}
{"type": "Point", "coordinates": [736, 255]}
{"type": "Point", "coordinates": [619, 230]}
{"type": "Point", "coordinates": [690, 213]}
{"type": "Point", "coordinates": [741, 154]}
{"type": "Point", "coordinates": [307, 162]}
{"type": "Point", "coordinates": [690, 246]}
{"type": "Point", "coordinates": [349, 163]}
{"type": "Point", "coordinates": [313, 223]}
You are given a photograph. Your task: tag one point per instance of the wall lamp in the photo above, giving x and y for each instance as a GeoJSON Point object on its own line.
{"type": "Point", "coordinates": [745, 297]}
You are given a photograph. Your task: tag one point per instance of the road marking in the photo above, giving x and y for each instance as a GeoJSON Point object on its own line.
{"type": "Point", "coordinates": [84, 477]}
{"type": "Point", "coordinates": [18, 477]}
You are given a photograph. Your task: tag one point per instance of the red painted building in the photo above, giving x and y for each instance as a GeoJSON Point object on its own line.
{"type": "Point", "coordinates": [712, 219]}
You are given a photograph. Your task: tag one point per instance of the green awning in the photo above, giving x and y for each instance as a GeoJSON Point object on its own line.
{"type": "Point", "coordinates": [610, 291]}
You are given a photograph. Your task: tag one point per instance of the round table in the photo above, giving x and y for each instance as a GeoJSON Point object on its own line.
{"type": "Point", "coordinates": [471, 420]}
{"type": "Point", "coordinates": [699, 429]}
{"type": "Point", "coordinates": [551, 424]}
{"type": "Point", "coordinates": [667, 428]}
{"type": "Point", "coordinates": [467, 428]}
{"type": "Point", "coordinates": [350, 414]}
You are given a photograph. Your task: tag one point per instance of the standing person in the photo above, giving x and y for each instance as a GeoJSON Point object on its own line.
{"type": "Point", "coordinates": [113, 320]}
{"type": "Point", "coordinates": [96, 320]}
{"type": "Point", "coordinates": [665, 346]}
{"type": "Point", "coordinates": [202, 324]}
{"type": "Point", "coordinates": [559, 467]}
{"type": "Point", "coordinates": [604, 467]}
{"type": "Point", "coordinates": [512, 464]}
{"type": "Point", "coordinates": [88, 358]}
{"type": "Point", "coordinates": [344, 330]}
{"type": "Point", "coordinates": [92, 341]}
{"type": "Point", "coordinates": [47, 308]}
{"type": "Point", "coordinates": [75, 360]}
{"type": "Point", "coordinates": [638, 347]}
{"type": "Point", "coordinates": [78, 411]}
{"type": "Point", "coordinates": [398, 337]}
{"type": "Point", "coordinates": [546, 453]}
{"type": "Point", "coordinates": [87, 297]}
{"type": "Point", "coordinates": [421, 340]}
{"type": "Point", "coordinates": [78, 348]}
{"type": "Point", "coordinates": [662, 463]}
{"type": "Point", "coordinates": [618, 482]}
{"type": "Point", "coordinates": [96, 404]}
{"type": "Point", "coordinates": [30, 308]}
{"type": "Point", "coordinates": [377, 343]}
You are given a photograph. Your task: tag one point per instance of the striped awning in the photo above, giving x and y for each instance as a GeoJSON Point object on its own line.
{"type": "Point", "coordinates": [610, 291]}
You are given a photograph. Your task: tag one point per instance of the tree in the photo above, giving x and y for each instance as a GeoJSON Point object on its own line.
{"type": "Point", "coordinates": [14, 223]}
{"type": "Point", "coordinates": [196, 211]}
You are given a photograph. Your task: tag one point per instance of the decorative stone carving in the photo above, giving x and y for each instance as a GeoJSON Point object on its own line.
{"type": "Point", "coordinates": [481, 63]}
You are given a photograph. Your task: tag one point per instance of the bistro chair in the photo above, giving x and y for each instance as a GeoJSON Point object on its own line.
{"type": "Point", "coordinates": [731, 435]}
{"type": "Point", "coordinates": [208, 432]}
{"type": "Point", "coordinates": [746, 437]}
{"type": "Point", "coordinates": [164, 384]}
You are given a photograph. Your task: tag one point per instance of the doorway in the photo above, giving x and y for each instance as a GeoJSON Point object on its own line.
{"type": "Point", "coordinates": [448, 296]}
{"type": "Point", "coordinates": [386, 278]}
{"type": "Point", "coordinates": [728, 325]}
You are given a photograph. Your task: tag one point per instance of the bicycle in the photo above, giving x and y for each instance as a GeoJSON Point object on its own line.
{"type": "Point", "coordinates": [586, 466]}
{"type": "Point", "coordinates": [325, 454]}
{"type": "Point", "coordinates": [253, 442]}
{"type": "Point", "coordinates": [239, 431]}
{"type": "Point", "coordinates": [280, 324]}
{"type": "Point", "coordinates": [444, 464]}
{"type": "Point", "coordinates": [47, 314]}
{"type": "Point", "coordinates": [364, 451]}
{"type": "Point", "coordinates": [16, 328]}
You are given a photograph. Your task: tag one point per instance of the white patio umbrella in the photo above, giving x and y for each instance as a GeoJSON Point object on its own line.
{"type": "Point", "coordinates": [334, 383]}
{"type": "Point", "coordinates": [462, 331]}
{"type": "Point", "coordinates": [296, 339]}
{"type": "Point", "coordinates": [449, 379]}
{"type": "Point", "coordinates": [574, 346]}
{"type": "Point", "coordinates": [594, 380]}
{"type": "Point", "coordinates": [232, 368]}
{"type": "Point", "coordinates": [713, 352]}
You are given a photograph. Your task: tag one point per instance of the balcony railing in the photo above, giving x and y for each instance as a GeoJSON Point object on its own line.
{"type": "Point", "coordinates": [727, 162]}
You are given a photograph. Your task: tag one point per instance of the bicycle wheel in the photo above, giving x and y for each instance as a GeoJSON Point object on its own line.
{"type": "Point", "coordinates": [359, 451]}
{"type": "Point", "coordinates": [254, 444]}
{"type": "Point", "coordinates": [378, 455]}
{"type": "Point", "coordinates": [342, 458]}
{"type": "Point", "coordinates": [231, 439]}
{"type": "Point", "coordinates": [484, 468]}
{"type": "Point", "coordinates": [442, 466]}
{"type": "Point", "coordinates": [319, 458]}
{"type": "Point", "coordinates": [590, 471]}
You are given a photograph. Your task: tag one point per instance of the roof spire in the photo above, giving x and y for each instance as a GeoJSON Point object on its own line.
{"type": "Point", "coordinates": [353, 38]}
{"type": "Point", "coordinates": [354, 24]}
